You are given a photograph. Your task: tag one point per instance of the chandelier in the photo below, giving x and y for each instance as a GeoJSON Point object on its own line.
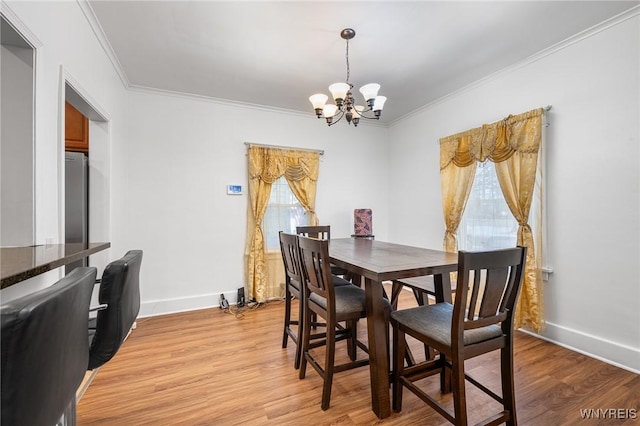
{"type": "Point", "coordinates": [344, 102]}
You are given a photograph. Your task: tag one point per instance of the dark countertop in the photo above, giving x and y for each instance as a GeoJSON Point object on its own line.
{"type": "Point", "coordinates": [20, 263]}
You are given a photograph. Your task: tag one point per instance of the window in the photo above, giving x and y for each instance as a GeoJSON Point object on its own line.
{"type": "Point", "coordinates": [284, 212]}
{"type": "Point", "coordinates": [487, 223]}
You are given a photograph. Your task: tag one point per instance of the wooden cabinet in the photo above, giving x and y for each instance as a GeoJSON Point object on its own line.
{"type": "Point", "coordinates": [76, 130]}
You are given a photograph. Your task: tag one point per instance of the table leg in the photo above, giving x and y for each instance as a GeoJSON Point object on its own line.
{"type": "Point", "coordinates": [442, 284]}
{"type": "Point", "coordinates": [378, 331]}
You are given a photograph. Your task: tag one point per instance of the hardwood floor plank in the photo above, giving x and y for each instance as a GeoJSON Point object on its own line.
{"type": "Point", "coordinates": [209, 367]}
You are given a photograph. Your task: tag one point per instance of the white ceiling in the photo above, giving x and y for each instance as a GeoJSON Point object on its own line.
{"type": "Point", "coordinates": [277, 54]}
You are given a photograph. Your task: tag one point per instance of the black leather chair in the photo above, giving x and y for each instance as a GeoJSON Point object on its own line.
{"type": "Point", "coordinates": [119, 296]}
{"type": "Point", "coordinates": [45, 351]}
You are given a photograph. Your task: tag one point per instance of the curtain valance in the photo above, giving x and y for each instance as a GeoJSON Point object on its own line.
{"type": "Point", "coordinates": [495, 142]}
{"type": "Point", "coordinates": [269, 164]}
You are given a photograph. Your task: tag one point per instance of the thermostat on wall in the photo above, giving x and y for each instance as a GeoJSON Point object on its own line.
{"type": "Point", "coordinates": [234, 189]}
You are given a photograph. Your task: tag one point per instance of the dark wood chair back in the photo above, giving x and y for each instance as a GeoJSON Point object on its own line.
{"type": "Point", "coordinates": [290, 258]}
{"type": "Point", "coordinates": [315, 265]}
{"type": "Point", "coordinates": [487, 289]}
{"type": "Point", "coordinates": [320, 232]}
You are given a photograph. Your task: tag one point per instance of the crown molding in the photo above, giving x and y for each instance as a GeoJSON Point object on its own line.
{"type": "Point", "coordinates": [90, 15]}
{"type": "Point", "coordinates": [576, 38]}
{"type": "Point", "coordinates": [227, 102]}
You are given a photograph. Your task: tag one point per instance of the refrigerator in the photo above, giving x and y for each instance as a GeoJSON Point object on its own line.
{"type": "Point", "coordinates": [76, 170]}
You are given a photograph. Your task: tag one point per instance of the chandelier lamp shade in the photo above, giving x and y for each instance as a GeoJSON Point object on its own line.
{"type": "Point", "coordinates": [343, 97]}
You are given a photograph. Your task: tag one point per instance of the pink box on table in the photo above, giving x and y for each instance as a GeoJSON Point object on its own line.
{"type": "Point", "coordinates": [362, 223]}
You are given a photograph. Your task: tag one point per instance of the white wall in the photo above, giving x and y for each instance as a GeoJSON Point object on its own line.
{"type": "Point", "coordinates": [65, 46]}
{"type": "Point", "coordinates": [593, 162]}
{"type": "Point", "coordinates": [170, 174]}
{"type": "Point", "coordinates": [16, 146]}
{"type": "Point", "coordinates": [169, 159]}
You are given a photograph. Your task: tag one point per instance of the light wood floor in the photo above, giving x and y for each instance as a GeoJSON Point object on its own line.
{"type": "Point", "coordinates": [209, 367]}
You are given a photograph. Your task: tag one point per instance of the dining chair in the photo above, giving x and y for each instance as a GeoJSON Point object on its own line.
{"type": "Point", "coordinates": [45, 351]}
{"type": "Point", "coordinates": [322, 232]}
{"type": "Point", "coordinates": [291, 260]}
{"type": "Point", "coordinates": [119, 298]}
{"type": "Point", "coordinates": [479, 321]}
{"type": "Point", "coordinates": [335, 304]}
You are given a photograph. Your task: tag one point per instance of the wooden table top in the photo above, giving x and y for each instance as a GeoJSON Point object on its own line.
{"type": "Point", "coordinates": [21, 263]}
{"type": "Point", "coordinates": [381, 261]}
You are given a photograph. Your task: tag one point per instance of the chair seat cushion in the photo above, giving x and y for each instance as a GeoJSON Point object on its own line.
{"type": "Point", "coordinates": [336, 270]}
{"type": "Point", "coordinates": [295, 284]}
{"type": "Point", "coordinates": [434, 321]}
{"type": "Point", "coordinates": [350, 299]}
{"type": "Point", "coordinates": [337, 282]}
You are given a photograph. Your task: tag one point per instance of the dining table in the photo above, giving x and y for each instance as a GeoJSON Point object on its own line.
{"type": "Point", "coordinates": [378, 261]}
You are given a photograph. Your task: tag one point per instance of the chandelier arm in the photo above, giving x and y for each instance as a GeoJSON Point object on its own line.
{"type": "Point", "coordinates": [360, 114]}
{"type": "Point", "coordinates": [339, 118]}
{"type": "Point", "coordinates": [368, 118]}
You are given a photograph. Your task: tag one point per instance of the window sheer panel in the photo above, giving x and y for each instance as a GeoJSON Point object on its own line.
{"type": "Point", "coordinates": [284, 212]}
{"type": "Point", "coordinates": [487, 223]}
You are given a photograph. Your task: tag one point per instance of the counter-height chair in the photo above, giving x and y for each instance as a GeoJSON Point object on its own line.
{"type": "Point", "coordinates": [119, 298]}
{"type": "Point", "coordinates": [321, 232]}
{"type": "Point", "coordinates": [335, 304]}
{"type": "Point", "coordinates": [291, 260]}
{"type": "Point", "coordinates": [479, 321]}
{"type": "Point", "coordinates": [45, 351]}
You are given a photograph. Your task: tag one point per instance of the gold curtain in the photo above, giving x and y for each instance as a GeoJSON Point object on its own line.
{"type": "Point", "coordinates": [457, 170]}
{"type": "Point", "coordinates": [266, 165]}
{"type": "Point", "coordinates": [513, 145]}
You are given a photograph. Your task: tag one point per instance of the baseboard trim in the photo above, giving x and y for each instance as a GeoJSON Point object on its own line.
{"type": "Point", "coordinates": [614, 353]}
{"type": "Point", "coordinates": [86, 381]}
{"type": "Point", "coordinates": [184, 304]}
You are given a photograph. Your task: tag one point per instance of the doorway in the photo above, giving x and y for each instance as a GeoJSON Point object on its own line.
{"type": "Point", "coordinates": [87, 137]}
{"type": "Point", "coordinates": [17, 152]}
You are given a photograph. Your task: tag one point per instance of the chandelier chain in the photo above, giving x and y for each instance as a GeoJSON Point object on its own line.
{"type": "Point", "coordinates": [347, 56]}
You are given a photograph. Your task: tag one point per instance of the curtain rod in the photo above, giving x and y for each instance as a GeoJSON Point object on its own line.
{"type": "Point", "coordinates": [319, 151]}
